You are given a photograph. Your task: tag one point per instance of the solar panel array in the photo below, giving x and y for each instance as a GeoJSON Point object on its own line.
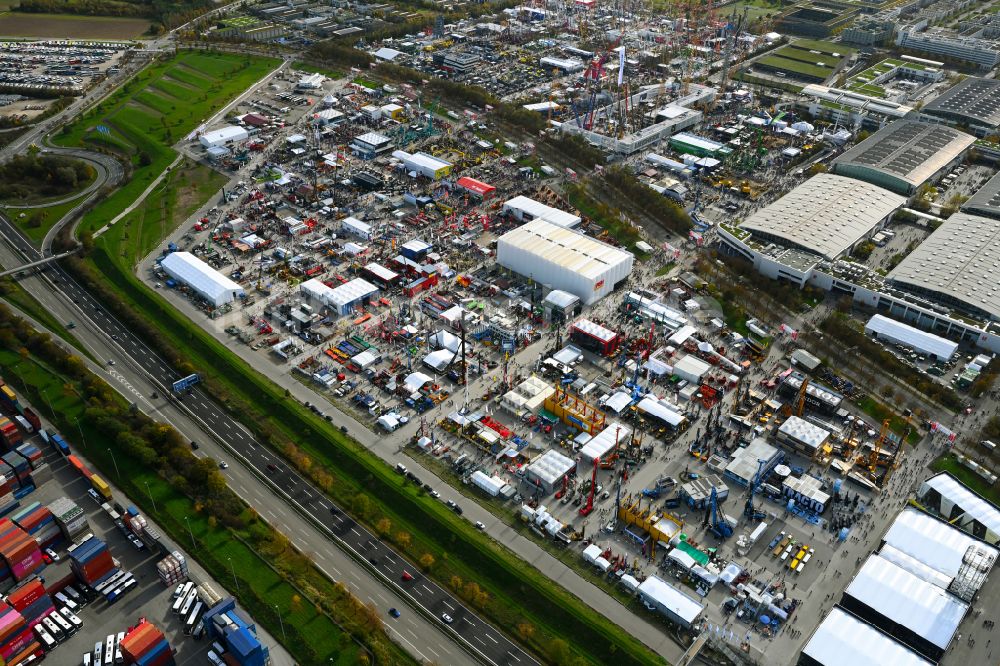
{"type": "Point", "coordinates": [901, 148]}
{"type": "Point", "coordinates": [974, 98]}
{"type": "Point", "coordinates": [987, 200]}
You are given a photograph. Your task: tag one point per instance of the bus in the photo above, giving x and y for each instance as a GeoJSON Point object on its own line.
{"type": "Point", "coordinates": [123, 587]}
{"type": "Point", "coordinates": [182, 597]}
{"type": "Point", "coordinates": [71, 617]}
{"type": "Point", "coordinates": [66, 602]}
{"type": "Point", "coordinates": [53, 629]}
{"type": "Point", "coordinates": [119, 658]}
{"type": "Point", "coordinates": [110, 583]}
{"type": "Point", "coordinates": [67, 627]}
{"type": "Point", "coordinates": [188, 603]}
{"type": "Point", "coordinates": [109, 650]}
{"type": "Point", "coordinates": [44, 638]}
{"type": "Point", "coordinates": [73, 594]}
{"type": "Point", "coordinates": [193, 618]}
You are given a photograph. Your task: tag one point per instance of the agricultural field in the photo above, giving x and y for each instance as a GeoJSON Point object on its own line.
{"type": "Point", "coordinates": [154, 110]}
{"type": "Point", "coordinates": [16, 24]}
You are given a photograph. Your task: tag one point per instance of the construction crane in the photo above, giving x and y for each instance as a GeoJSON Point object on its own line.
{"type": "Point", "coordinates": [727, 60]}
{"type": "Point", "coordinates": [720, 528]}
{"type": "Point", "coordinates": [799, 405]}
{"type": "Point", "coordinates": [589, 505]}
{"type": "Point", "coordinates": [877, 447]}
{"type": "Point", "coordinates": [750, 511]}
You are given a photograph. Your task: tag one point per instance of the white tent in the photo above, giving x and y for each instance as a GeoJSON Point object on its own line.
{"type": "Point", "coordinates": [415, 381]}
{"type": "Point", "coordinates": [842, 638]}
{"type": "Point", "coordinates": [922, 341]}
{"type": "Point", "coordinates": [439, 360]}
{"type": "Point", "coordinates": [388, 421]}
{"type": "Point", "coordinates": [661, 409]}
{"type": "Point", "coordinates": [592, 552]}
{"type": "Point", "coordinates": [201, 278]}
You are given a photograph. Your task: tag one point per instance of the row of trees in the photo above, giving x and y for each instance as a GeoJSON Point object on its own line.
{"type": "Point", "coordinates": [159, 447]}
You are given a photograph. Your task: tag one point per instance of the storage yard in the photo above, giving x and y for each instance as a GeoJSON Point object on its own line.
{"type": "Point", "coordinates": [751, 412]}
{"type": "Point", "coordinates": [85, 575]}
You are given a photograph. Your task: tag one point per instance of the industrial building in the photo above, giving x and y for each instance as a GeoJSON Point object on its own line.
{"type": "Point", "coordinates": [827, 215]}
{"type": "Point", "coordinates": [476, 188]}
{"type": "Point", "coordinates": [422, 164]}
{"type": "Point", "coordinates": [208, 283]}
{"type": "Point", "coordinates": [564, 259]}
{"type": "Point", "coordinates": [677, 606]}
{"type": "Point", "coordinates": [343, 299]}
{"type": "Point", "coordinates": [560, 306]}
{"type": "Point", "coordinates": [806, 491]}
{"type": "Point", "coordinates": [310, 82]}
{"type": "Point", "coordinates": [692, 144]}
{"type": "Point", "coordinates": [527, 397]}
{"type": "Point", "coordinates": [973, 103]}
{"type": "Point", "coordinates": [525, 209]}
{"type": "Point", "coordinates": [917, 612]}
{"type": "Point", "coordinates": [843, 638]}
{"type": "Point", "coordinates": [746, 461]}
{"type": "Point", "coordinates": [801, 436]}
{"type": "Point", "coordinates": [983, 53]}
{"type": "Point", "coordinates": [896, 332]}
{"type": "Point", "coordinates": [956, 503]}
{"type": "Point", "coordinates": [986, 200]}
{"type": "Point", "coordinates": [818, 396]}
{"type": "Point", "coordinates": [355, 227]}
{"type": "Point", "coordinates": [594, 338]}
{"type": "Point", "coordinates": [956, 266]}
{"type": "Point", "coordinates": [223, 136]}
{"type": "Point", "coordinates": [548, 470]}
{"type": "Point", "coordinates": [370, 145]}
{"type": "Point", "coordinates": [904, 155]}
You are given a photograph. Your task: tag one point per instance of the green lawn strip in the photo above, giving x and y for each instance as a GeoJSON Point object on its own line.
{"type": "Point", "coordinates": [897, 423]}
{"type": "Point", "coordinates": [793, 53]}
{"type": "Point", "coordinates": [519, 593]}
{"type": "Point", "coordinates": [52, 214]}
{"type": "Point", "coordinates": [794, 66]}
{"type": "Point", "coordinates": [325, 71]}
{"type": "Point", "coordinates": [17, 296]}
{"type": "Point", "coordinates": [948, 463]}
{"type": "Point", "coordinates": [313, 636]}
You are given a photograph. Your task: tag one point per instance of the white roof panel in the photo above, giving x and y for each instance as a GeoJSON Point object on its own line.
{"type": "Point", "coordinates": [803, 431]}
{"type": "Point", "coordinates": [661, 409]}
{"type": "Point", "coordinates": [827, 214]}
{"type": "Point", "coordinates": [914, 337]}
{"type": "Point", "coordinates": [907, 599]}
{"type": "Point", "coordinates": [842, 638]}
{"type": "Point", "coordinates": [933, 542]}
{"type": "Point", "coordinates": [972, 504]}
{"type": "Point", "coordinates": [595, 330]}
{"type": "Point", "coordinates": [551, 466]}
{"type": "Point", "coordinates": [601, 444]}
{"type": "Point", "coordinates": [352, 291]}
{"type": "Point", "coordinates": [565, 248]}
{"type": "Point", "coordinates": [209, 283]}
{"type": "Point", "coordinates": [668, 596]}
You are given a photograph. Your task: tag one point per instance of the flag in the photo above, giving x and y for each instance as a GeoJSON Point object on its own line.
{"type": "Point", "coordinates": [621, 65]}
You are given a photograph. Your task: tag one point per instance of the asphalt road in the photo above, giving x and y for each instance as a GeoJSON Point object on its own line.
{"type": "Point", "coordinates": [142, 371]}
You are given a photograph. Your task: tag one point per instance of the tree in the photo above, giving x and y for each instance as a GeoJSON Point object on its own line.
{"type": "Point", "coordinates": [384, 526]}
{"type": "Point", "coordinates": [426, 561]}
{"type": "Point", "coordinates": [145, 159]}
{"type": "Point", "coordinates": [403, 539]}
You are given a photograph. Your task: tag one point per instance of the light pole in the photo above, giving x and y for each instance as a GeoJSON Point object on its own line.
{"type": "Point", "coordinates": [155, 510]}
{"type": "Point", "coordinates": [236, 580]}
{"type": "Point", "coordinates": [81, 433]}
{"type": "Point", "coordinates": [117, 473]}
{"type": "Point", "coordinates": [281, 622]}
{"type": "Point", "coordinates": [187, 521]}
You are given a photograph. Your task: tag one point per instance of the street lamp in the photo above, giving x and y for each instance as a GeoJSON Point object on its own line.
{"type": "Point", "coordinates": [236, 580]}
{"type": "Point", "coordinates": [282, 623]}
{"type": "Point", "coordinates": [155, 510]}
{"type": "Point", "coordinates": [187, 521]}
{"type": "Point", "coordinates": [117, 473]}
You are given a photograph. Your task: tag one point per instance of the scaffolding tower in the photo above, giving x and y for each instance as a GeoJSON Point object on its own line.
{"type": "Point", "coordinates": [976, 565]}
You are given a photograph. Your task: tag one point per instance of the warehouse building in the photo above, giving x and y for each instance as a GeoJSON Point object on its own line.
{"type": "Point", "coordinates": [920, 614]}
{"type": "Point", "coordinates": [548, 470]}
{"type": "Point", "coordinates": [801, 436]}
{"type": "Point", "coordinates": [896, 332]}
{"type": "Point", "coordinates": [844, 638]}
{"type": "Point", "coordinates": [310, 82]}
{"type": "Point", "coordinates": [211, 285]}
{"type": "Point", "coordinates": [476, 188]}
{"type": "Point", "coordinates": [692, 144]}
{"type": "Point", "coordinates": [827, 216]}
{"type": "Point", "coordinates": [986, 200]}
{"type": "Point", "coordinates": [972, 103]}
{"type": "Point", "coordinates": [223, 136]}
{"type": "Point", "coordinates": [594, 338]}
{"type": "Point", "coordinates": [525, 209]}
{"type": "Point", "coordinates": [904, 155]}
{"type": "Point", "coordinates": [560, 306]}
{"type": "Point", "coordinates": [370, 145]}
{"type": "Point", "coordinates": [957, 266]}
{"type": "Point", "coordinates": [746, 461]}
{"type": "Point", "coordinates": [422, 164]}
{"type": "Point", "coordinates": [677, 606]}
{"type": "Point", "coordinates": [343, 299]}
{"type": "Point", "coordinates": [818, 396]}
{"type": "Point", "coordinates": [564, 259]}
{"type": "Point", "coordinates": [355, 227]}
{"type": "Point", "coordinates": [692, 369]}
{"type": "Point", "coordinates": [956, 503]}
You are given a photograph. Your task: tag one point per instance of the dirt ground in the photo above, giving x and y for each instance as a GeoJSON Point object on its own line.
{"type": "Point", "coordinates": [67, 26]}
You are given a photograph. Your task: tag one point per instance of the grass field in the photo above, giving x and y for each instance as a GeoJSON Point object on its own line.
{"type": "Point", "coordinates": [948, 463]}
{"type": "Point", "coordinates": [325, 71]}
{"type": "Point", "coordinates": [158, 107]}
{"type": "Point", "coordinates": [177, 196]}
{"type": "Point", "coordinates": [214, 547]}
{"type": "Point", "coordinates": [71, 26]}
{"type": "Point", "coordinates": [52, 215]}
{"type": "Point", "coordinates": [806, 56]}
{"type": "Point", "coordinates": [794, 67]}
{"type": "Point", "coordinates": [755, 8]}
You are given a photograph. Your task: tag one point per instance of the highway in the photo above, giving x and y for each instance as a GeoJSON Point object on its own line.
{"type": "Point", "coordinates": [141, 372]}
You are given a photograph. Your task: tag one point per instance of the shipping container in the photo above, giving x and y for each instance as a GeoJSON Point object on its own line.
{"type": "Point", "coordinates": [101, 486]}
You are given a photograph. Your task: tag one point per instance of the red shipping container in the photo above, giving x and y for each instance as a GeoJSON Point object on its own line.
{"type": "Point", "coordinates": [15, 626]}
{"type": "Point", "coordinates": [138, 641]}
{"type": "Point", "coordinates": [26, 595]}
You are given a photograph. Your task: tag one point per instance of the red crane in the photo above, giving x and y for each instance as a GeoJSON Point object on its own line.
{"type": "Point", "coordinates": [589, 506]}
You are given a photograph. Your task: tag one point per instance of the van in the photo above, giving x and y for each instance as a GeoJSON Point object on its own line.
{"type": "Point", "coordinates": [988, 444]}
{"type": "Point", "coordinates": [401, 468]}
{"type": "Point", "coordinates": [214, 658]}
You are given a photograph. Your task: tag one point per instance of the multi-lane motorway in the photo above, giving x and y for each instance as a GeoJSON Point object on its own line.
{"type": "Point", "coordinates": [477, 636]}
